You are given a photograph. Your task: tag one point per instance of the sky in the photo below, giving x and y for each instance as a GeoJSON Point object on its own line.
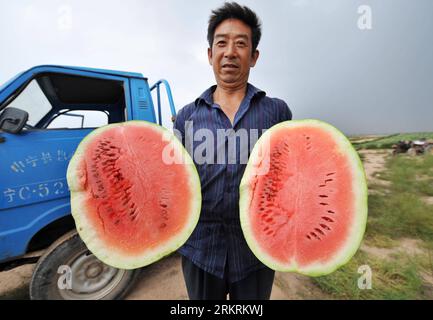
{"type": "Point", "coordinates": [364, 66]}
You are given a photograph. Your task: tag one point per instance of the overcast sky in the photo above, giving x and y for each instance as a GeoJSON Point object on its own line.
{"type": "Point", "coordinates": [313, 53]}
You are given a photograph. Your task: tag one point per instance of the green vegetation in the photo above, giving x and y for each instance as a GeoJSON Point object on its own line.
{"type": "Point", "coordinates": [387, 141]}
{"type": "Point", "coordinates": [400, 216]}
{"type": "Point", "coordinates": [402, 211]}
{"type": "Point", "coordinates": [396, 279]}
{"type": "Point", "coordinates": [360, 139]}
{"type": "Point", "coordinates": [396, 211]}
{"type": "Point", "coordinates": [411, 174]}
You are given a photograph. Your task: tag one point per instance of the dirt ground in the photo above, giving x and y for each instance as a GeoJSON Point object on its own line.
{"type": "Point", "coordinates": [374, 163]}
{"type": "Point", "coordinates": [428, 200]}
{"type": "Point", "coordinates": [164, 280]}
{"type": "Point", "coordinates": [14, 284]}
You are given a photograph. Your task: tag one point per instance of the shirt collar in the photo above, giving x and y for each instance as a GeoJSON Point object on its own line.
{"type": "Point", "coordinates": [207, 97]}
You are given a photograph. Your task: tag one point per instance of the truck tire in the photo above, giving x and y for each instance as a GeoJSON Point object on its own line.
{"type": "Point", "coordinates": [69, 271]}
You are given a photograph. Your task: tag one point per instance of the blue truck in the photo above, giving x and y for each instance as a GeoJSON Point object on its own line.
{"type": "Point", "coordinates": [44, 113]}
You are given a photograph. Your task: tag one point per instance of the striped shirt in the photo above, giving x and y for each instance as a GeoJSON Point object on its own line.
{"type": "Point", "coordinates": [218, 239]}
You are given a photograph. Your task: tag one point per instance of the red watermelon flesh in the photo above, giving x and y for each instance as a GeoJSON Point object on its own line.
{"type": "Point", "coordinates": [130, 206]}
{"type": "Point", "coordinates": [303, 198]}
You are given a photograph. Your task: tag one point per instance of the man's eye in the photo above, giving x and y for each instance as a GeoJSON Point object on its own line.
{"type": "Point", "coordinates": [221, 43]}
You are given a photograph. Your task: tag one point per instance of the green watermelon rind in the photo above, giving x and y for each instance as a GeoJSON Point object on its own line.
{"type": "Point", "coordinates": [113, 256]}
{"type": "Point", "coordinates": [345, 254]}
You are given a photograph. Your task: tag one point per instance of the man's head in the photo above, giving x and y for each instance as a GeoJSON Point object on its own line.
{"type": "Point", "coordinates": [232, 10]}
{"type": "Point", "coordinates": [233, 34]}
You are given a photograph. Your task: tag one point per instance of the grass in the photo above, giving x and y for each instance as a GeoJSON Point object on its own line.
{"type": "Point", "coordinates": [402, 212]}
{"type": "Point", "coordinates": [387, 141]}
{"type": "Point", "coordinates": [396, 211]}
{"type": "Point", "coordinates": [402, 216]}
{"type": "Point", "coordinates": [380, 241]}
{"type": "Point", "coordinates": [363, 138]}
{"type": "Point", "coordinates": [389, 280]}
{"type": "Point", "coordinates": [426, 261]}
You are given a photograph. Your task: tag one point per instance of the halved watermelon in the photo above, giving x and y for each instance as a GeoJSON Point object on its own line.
{"type": "Point", "coordinates": [303, 198]}
{"type": "Point", "coordinates": [131, 205]}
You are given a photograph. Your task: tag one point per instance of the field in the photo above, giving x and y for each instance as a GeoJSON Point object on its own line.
{"type": "Point", "coordinates": [386, 142]}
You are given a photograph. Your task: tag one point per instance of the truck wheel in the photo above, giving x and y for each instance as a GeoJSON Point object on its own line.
{"type": "Point", "coordinates": [69, 271]}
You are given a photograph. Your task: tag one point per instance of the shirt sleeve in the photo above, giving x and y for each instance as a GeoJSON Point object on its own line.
{"type": "Point", "coordinates": [285, 112]}
{"type": "Point", "coordinates": [179, 126]}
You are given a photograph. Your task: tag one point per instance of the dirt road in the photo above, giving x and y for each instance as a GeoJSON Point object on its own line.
{"type": "Point", "coordinates": [374, 163]}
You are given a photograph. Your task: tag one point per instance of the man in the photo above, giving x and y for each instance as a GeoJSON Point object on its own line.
{"type": "Point", "coordinates": [216, 260]}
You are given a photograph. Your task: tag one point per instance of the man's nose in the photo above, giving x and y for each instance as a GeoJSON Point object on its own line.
{"type": "Point", "coordinates": [230, 50]}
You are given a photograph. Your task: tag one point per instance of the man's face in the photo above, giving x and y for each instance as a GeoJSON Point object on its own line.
{"type": "Point", "coordinates": [231, 53]}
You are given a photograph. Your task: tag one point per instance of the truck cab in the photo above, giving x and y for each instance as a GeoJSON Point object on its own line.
{"type": "Point", "coordinates": [44, 114]}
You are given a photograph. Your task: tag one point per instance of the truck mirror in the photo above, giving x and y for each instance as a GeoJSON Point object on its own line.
{"type": "Point", "coordinates": [12, 120]}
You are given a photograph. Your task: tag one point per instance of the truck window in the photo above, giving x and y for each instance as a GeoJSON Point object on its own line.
{"type": "Point", "coordinates": [56, 100]}
{"type": "Point", "coordinates": [34, 101]}
{"type": "Point", "coordinates": [74, 119]}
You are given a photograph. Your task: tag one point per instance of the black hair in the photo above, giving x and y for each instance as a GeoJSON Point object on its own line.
{"type": "Point", "coordinates": [232, 10]}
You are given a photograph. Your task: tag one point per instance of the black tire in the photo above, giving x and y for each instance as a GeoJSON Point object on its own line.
{"type": "Point", "coordinates": [68, 256]}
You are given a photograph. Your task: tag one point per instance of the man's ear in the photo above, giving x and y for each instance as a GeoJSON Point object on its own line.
{"type": "Point", "coordinates": [254, 58]}
{"type": "Point", "coordinates": [209, 55]}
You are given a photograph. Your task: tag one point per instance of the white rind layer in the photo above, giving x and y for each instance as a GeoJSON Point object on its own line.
{"type": "Point", "coordinates": [359, 186]}
{"type": "Point", "coordinates": [88, 234]}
